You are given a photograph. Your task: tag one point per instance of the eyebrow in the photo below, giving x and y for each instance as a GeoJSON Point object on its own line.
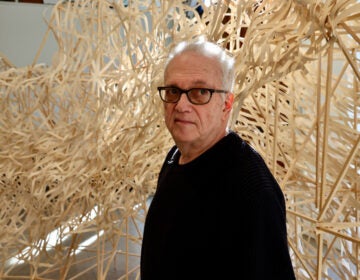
{"type": "Point", "coordinates": [197, 83]}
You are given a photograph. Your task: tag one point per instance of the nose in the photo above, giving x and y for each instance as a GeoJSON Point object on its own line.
{"type": "Point", "coordinates": [183, 102]}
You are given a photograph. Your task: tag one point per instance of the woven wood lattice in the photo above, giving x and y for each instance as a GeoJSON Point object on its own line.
{"type": "Point", "coordinates": [82, 140]}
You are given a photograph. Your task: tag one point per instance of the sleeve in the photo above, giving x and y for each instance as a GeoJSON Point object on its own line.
{"type": "Point", "coordinates": [268, 236]}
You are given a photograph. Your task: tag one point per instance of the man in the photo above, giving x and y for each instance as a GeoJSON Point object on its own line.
{"type": "Point", "coordinates": [218, 212]}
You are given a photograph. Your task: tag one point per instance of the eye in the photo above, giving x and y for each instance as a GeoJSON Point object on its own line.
{"type": "Point", "coordinates": [203, 91]}
{"type": "Point", "coordinates": [172, 91]}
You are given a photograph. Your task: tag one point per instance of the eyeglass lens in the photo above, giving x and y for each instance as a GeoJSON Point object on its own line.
{"type": "Point", "coordinates": [195, 95]}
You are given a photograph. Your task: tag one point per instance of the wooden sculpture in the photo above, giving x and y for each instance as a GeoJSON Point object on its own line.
{"type": "Point", "coordinates": [82, 139]}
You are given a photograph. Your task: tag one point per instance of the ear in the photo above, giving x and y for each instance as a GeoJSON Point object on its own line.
{"type": "Point", "coordinates": [229, 101]}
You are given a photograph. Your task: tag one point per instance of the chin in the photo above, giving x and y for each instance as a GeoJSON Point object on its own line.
{"type": "Point", "coordinates": [183, 138]}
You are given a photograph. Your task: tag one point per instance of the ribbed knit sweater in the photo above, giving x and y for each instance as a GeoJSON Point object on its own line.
{"type": "Point", "coordinates": [220, 216]}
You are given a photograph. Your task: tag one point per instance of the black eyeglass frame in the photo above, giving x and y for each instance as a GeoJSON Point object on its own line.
{"type": "Point", "coordinates": [186, 91]}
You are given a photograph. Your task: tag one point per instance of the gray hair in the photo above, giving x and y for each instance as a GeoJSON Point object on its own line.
{"type": "Point", "coordinates": [208, 49]}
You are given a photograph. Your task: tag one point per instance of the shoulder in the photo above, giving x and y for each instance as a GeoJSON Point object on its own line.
{"type": "Point", "coordinates": [243, 153]}
{"type": "Point", "coordinates": [249, 171]}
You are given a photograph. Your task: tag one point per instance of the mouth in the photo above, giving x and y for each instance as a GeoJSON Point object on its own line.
{"type": "Point", "coordinates": [182, 121]}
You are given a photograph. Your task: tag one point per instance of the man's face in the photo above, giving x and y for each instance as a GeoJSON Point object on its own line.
{"type": "Point", "coordinates": [200, 126]}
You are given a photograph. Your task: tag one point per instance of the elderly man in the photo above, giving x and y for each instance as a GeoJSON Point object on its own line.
{"type": "Point", "coordinates": [218, 213]}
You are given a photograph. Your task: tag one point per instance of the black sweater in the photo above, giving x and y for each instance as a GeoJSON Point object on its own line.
{"type": "Point", "coordinates": [220, 216]}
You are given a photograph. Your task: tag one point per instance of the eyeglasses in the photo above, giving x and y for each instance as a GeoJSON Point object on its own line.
{"type": "Point", "coordinates": [197, 96]}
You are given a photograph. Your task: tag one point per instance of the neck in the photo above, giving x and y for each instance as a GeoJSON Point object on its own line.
{"type": "Point", "coordinates": [187, 157]}
{"type": "Point", "coordinates": [190, 151]}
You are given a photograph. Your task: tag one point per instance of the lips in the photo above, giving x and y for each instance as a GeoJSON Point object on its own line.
{"type": "Point", "coordinates": [182, 121]}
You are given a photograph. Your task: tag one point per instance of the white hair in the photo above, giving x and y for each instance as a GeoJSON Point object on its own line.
{"type": "Point", "coordinates": [208, 49]}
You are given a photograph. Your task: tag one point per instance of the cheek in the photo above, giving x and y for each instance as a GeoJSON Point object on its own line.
{"type": "Point", "coordinates": [214, 115]}
{"type": "Point", "coordinates": [168, 109]}
{"type": "Point", "coordinates": [209, 117]}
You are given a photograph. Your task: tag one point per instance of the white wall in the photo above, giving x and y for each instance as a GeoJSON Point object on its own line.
{"type": "Point", "coordinates": [22, 29]}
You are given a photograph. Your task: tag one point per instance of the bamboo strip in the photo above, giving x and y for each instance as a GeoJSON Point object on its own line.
{"type": "Point", "coordinates": [339, 235]}
{"type": "Point", "coordinates": [351, 156]}
{"type": "Point", "coordinates": [302, 261]}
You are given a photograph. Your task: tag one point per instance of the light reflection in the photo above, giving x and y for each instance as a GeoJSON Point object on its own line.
{"type": "Point", "coordinates": [52, 239]}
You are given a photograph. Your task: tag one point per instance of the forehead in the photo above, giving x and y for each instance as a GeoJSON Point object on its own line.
{"type": "Point", "coordinates": [191, 66]}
